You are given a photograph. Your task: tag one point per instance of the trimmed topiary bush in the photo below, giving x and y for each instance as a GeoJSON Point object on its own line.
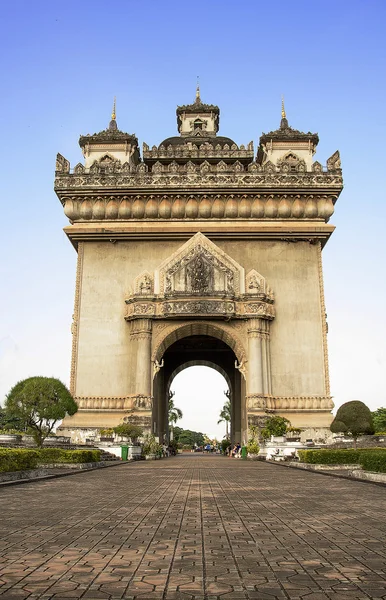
{"type": "Point", "coordinates": [354, 419]}
{"type": "Point", "coordinates": [17, 459]}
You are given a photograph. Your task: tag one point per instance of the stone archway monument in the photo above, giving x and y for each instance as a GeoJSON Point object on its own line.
{"type": "Point", "coordinates": [200, 252]}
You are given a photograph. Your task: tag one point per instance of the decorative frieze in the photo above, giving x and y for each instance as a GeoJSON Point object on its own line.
{"type": "Point", "coordinates": [158, 308]}
{"type": "Point", "coordinates": [203, 152]}
{"type": "Point", "coordinates": [127, 403]}
{"type": "Point", "coordinates": [256, 402]}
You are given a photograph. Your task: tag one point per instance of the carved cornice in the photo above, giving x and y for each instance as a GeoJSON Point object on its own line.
{"type": "Point", "coordinates": [201, 207]}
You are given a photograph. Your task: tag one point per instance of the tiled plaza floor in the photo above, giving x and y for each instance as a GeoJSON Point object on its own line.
{"type": "Point", "coordinates": [193, 527]}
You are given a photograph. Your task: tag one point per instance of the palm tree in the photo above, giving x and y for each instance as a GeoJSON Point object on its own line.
{"type": "Point", "coordinates": [174, 413]}
{"type": "Point", "coordinates": [225, 414]}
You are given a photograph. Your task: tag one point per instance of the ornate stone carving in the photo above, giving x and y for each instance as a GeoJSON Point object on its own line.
{"type": "Point", "coordinates": [334, 163]}
{"type": "Point", "coordinates": [242, 368]}
{"type": "Point", "coordinates": [157, 366]}
{"type": "Point", "coordinates": [199, 266]}
{"type": "Point", "coordinates": [256, 402]}
{"type": "Point", "coordinates": [199, 275]}
{"type": "Point", "coordinates": [261, 309]}
{"type": "Point", "coordinates": [123, 403]}
{"type": "Point", "coordinates": [289, 403]}
{"type": "Point", "coordinates": [62, 164]}
{"type": "Point", "coordinates": [198, 307]}
{"type": "Point", "coordinates": [160, 180]}
{"type": "Point", "coordinates": [143, 284]}
{"type": "Point", "coordinates": [290, 163]}
{"type": "Point", "coordinates": [143, 402]}
{"type": "Point", "coordinates": [200, 279]}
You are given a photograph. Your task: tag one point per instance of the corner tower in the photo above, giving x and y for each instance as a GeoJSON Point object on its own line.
{"type": "Point", "coordinates": [200, 252]}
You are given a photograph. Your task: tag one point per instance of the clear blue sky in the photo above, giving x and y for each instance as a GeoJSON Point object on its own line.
{"type": "Point", "coordinates": [62, 64]}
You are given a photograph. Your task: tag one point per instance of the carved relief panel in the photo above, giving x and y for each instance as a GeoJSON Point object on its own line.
{"type": "Point", "coordinates": [200, 279]}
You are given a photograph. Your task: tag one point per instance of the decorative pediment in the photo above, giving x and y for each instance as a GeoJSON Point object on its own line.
{"type": "Point", "coordinates": [200, 280]}
{"type": "Point", "coordinates": [79, 169]}
{"type": "Point", "coordinates": [291, 162]}
{"type": "Point", "coordinates": [255, 283]}
{"type": "Point", "coordinates": [199, 267]}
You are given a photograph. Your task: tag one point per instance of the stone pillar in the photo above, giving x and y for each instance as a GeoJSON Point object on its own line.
{"type": "Point", "coordinates": [236, 408]}
{"type": "Point", "coordinates": [255, 381]}
{"type": "Point", "coordinates": [143, 379]}
{"type": "Point", "coordinates": [266, 359]}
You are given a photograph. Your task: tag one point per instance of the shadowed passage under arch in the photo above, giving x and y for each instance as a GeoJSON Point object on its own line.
{"type": "Point", "coordinates": [199, 350]}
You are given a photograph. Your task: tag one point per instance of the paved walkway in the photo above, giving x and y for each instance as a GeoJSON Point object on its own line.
{"type": "Point", "coordinates": [193, 527]}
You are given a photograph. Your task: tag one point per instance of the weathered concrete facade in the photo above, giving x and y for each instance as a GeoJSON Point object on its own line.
{"type": "Point", "coordinates": [200, 253]}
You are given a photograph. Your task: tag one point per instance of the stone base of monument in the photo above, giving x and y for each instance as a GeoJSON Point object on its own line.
{"type": "Point", "coordinates": [134, 452]}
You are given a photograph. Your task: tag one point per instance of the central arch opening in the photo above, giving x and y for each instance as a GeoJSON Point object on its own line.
{"type": "Point", "coordinates": [199, 350]}
{"type": "Point", "coordinates": [201, 391]}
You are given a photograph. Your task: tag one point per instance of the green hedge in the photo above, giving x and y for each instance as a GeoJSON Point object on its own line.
{"type": "Point", "coordinates": [17, 460]}
{"type": "Point", "coordinates": [23, 459]}
{"type": "Point", "coordinates": [58, 455]}
{"type": "Point", "coordinates": [374, 460]}
{"type": "Point", "coordinates": [342, 456]}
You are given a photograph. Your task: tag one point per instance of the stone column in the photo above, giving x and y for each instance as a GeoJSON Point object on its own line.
{"type": "Point", "coordinates": [142, 334]}
{"type": "Point", "coordinates": [236, 408]}
{"type": "Point", "coordinates": [255, 381]}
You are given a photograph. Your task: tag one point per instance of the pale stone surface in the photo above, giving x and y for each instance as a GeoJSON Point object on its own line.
{"type": "Point", "coordinates": [200, 242]}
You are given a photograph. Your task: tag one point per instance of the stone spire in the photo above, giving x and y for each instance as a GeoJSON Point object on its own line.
{"type": "Point", "coordinates": [284, 121]}
{"type": "Point", "coordinates": [198, 97]}
{"type": "Point", "coordinates": [113, 123]}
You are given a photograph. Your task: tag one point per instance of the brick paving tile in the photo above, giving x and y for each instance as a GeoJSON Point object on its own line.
{"type": "Point", "coordinates": [193, 528]}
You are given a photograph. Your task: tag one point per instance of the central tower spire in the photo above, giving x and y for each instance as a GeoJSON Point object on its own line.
{"type": "Point", "coordinates": [113, 123]}
{"type": "Point", "coordinates": [198, 97]}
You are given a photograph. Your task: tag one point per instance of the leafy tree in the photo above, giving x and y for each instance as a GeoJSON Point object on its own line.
{"type": "Point", "coordinates": [224, 445]}
{"type": "Point", "coordinates": [354, 419]}
{"type": "Point", "coordinates": [225, 417]}
{"type": "Point", "coordinates": [128, 430]}
{"type": "Point", "coordinates": [379, 420]}
{"type": "Point", "coordinates": [40, 402]}
{"type": "Point", "coordinates": [186, 437]}
{"type": "Point", "coordinates": [9, 422]}
{"type": "Point", "coordinates": [276, 426]}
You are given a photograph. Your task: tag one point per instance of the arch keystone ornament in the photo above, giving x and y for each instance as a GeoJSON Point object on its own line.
{"type": "Point", "coordinates": [213, 240]}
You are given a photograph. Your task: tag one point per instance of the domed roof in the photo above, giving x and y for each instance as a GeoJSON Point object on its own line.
{"type": "Point", "coordinates": [197, 140]}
